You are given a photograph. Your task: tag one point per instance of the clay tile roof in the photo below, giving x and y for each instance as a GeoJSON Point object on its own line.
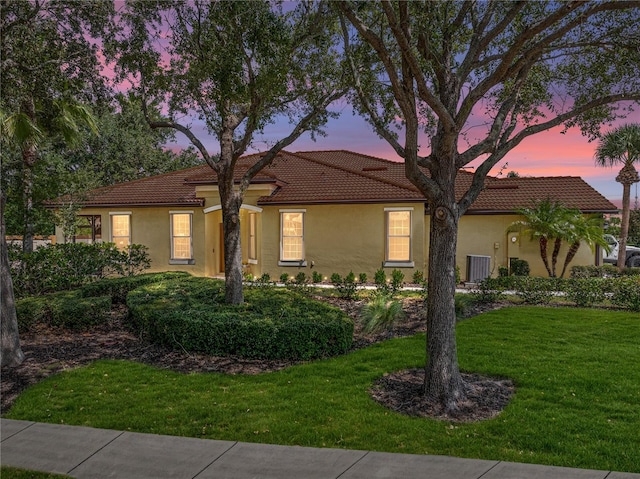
{"type": "Point", "coordinates": [168, 189]}
{"type": "Point", "coordinates": [338, 176]}
{"type": "Point", "coordinates": [507, 194]}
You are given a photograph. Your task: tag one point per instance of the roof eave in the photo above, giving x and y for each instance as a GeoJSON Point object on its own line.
{"type": "Point", "coordinates": [132, 205]}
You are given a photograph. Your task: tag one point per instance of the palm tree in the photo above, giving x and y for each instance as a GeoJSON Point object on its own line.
{"type": "Point", "coordinates": [28, 128]}
{"type": "Point", "coordinates": [622, 146]}
{"type": "Point", "coordinates": [22, 130]}
{"type": "Point", "coordinates": [545, 221]}
{"type": "Point", "coordinates": [589, 229]}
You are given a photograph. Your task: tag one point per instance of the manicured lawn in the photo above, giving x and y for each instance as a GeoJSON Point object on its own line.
{"type": "Point", "coordinates": [15, 473]}
{"type": "Point", "coordinates": [576, 403]}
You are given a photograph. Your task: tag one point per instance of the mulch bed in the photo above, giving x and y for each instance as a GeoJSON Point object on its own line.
{"type": "Point", "coordinates": [48, 351]}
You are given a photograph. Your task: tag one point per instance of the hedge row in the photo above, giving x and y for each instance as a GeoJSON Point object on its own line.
{"type": "Point", "coordinates": [85, 307]}
{"type": "Point", "coordinates": [59, 267]}
{"type": "Point", "coordinates": [190, 314]}
{"type": "Point", "coordinates": [118, 288]}
{"type": "Point", "coordinates": [67, 309]}
{"type": "Point", "coordinates": [622, 291]}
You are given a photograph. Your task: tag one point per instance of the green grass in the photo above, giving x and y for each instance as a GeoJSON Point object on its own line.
{"type": "Point", "coordinates": [15, 473]}
{"type": "Point", "coordinates": [576, 403]}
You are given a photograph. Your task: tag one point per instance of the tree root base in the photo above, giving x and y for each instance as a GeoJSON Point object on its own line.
{"type": "Point", "coordinates": [403, 392]}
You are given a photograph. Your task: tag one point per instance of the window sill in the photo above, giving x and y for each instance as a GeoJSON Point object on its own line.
{"type": "Point", "coordinates": [294, 264]}
{"type": "Point", "coordinates": [399, 264]}
{"type": "Point", "coordinates": [182, 261]}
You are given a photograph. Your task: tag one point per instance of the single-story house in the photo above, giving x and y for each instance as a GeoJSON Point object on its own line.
{"type": "Point", "coordinates": [324, 211]}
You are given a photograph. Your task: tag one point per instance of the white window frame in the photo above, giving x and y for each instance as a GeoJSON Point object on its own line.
{"type": "Point", "coordinates": [409, 263]}
{"type": "Point", "coordinates": [291, 262]}
{"type": "Point", "coordinates": [252, 251]}
{"type": "Point", "coordinates": [112, 214]}
{"type": "Point", "coordinates": [173, 259]}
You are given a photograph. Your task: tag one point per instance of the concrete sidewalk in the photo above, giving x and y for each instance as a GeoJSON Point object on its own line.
{"type": "Point", "coordinates": [100, 453]}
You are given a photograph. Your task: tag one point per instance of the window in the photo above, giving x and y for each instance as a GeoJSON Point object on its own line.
{"type": "Point", "coordinates": [292, 236]}
{"type": "Point", "coordinates": [181, 244]}
{"type": "Point", "coordinates": [89, 228]}
{"type": "Point", "coordinates": [398, 237]}
{"type": "Point", "coordinates": [121, 229]}
{"type": "Point", "coordinates": [253, 245]}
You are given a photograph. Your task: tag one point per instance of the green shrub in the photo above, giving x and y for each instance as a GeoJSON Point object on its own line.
{"type": "Point", "coordinates": [519, 267]}
{"type": "Point", "coordinates": [630, 272]}
{"type": "Point", "coordinates": [66, 309]}
{"type": "Point", "coordinates": [66, 266]}
{"type": "Point", "coordinates": [284, 278]}
{"type": "Point", "coordinates": [397, 280]}
{"type": "Point", "coordinates": [380, 280]}
{"type": "Point", "coordinates": [586, 291]}
{"type": "Point", "coordinates": [118, 288]}
{"type": "Point", "coordinates": [594, 271]}
{"type": "Point", "coordinates": [488, 291]}
{"type": "Point", "coordinates": [380, 314]}
{"type": "Point", "coordinates": [316, 277]}
{"type": "Point", "coordinates": [503, 271]}
{"type": "Point", "coordinates": [463, 304]}
{"type": "Point", "coordinates": [362, 277]}
{"type": "Point", "coordinates": [535, 290]}
{"type": "Point", "coordinates": [190, 314]}
{"type": "Point", "coordinates": [264, 280]}
{"type": "Point", "coordinates": [418, 277]}
{"type": "Point", "coordinates": [626, 292]}
{"type": "Point", "coordinates": [346, 287]}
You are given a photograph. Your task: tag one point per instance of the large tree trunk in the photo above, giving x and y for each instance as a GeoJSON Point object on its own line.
{"type": "Point", "coordinates": [10, 352]}
{"type": "Point", "coordinates": [232, 253]}
{"type": "Point", "coordinates": [231, 201]}
{"type": "Point", "coordinates": [443, 382]}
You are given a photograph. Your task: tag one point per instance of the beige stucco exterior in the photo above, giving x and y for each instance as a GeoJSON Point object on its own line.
{"type": "Point", "coordinates": [338, 238]}
{"type": "Point", "coordinates": [486, 235]}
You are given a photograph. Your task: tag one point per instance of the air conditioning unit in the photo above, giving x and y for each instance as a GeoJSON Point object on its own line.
{"type": "Point", "coordinates": [478, 268]}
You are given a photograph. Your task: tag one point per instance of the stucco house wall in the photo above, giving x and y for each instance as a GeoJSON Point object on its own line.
{"type": "Point", "coordinates": [151, 227]}
{"type": "Point", "coordinates": [345, 197]}
{"type": "Point", "coordinates": [486, 235]}
{"type": "Point", "coordinates": [340, 239]}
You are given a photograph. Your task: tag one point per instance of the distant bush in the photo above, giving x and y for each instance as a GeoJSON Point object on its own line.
{"type": "Point", "coordinates": [490, 290]}
{"type": "Point", "coordinates": [190, 314]}
{"type": "Point", "coordinates": [607, 270]}
{"type": "Point", "coordinates": [66, 266]}
{"type": "Point", "coordinates": [346, 287]}
{"type": "Point", "coordinates": [587, 291]}
{"type": "Point", "coordinates": [535, 290]}
{"type": "Point", "coordinates": [397, 280]}
{"type": "Point", "coordinates": [520, 267]}
{"type": "Point", "coordinates": [626, 293]}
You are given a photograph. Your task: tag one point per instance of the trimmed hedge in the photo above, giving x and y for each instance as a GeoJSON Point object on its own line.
{"type": "Point", "coordinates": [190, 314]}
{"type": "Point", "coordinates": [119, 288]}
{"type": "Point", "coordinates": [622, 291]}
{"type": "Point", "coordinates": [65, 309]}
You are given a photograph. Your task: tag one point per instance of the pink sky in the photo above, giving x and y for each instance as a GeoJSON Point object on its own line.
{"type": "Point", "coordinates": [546, 154]}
